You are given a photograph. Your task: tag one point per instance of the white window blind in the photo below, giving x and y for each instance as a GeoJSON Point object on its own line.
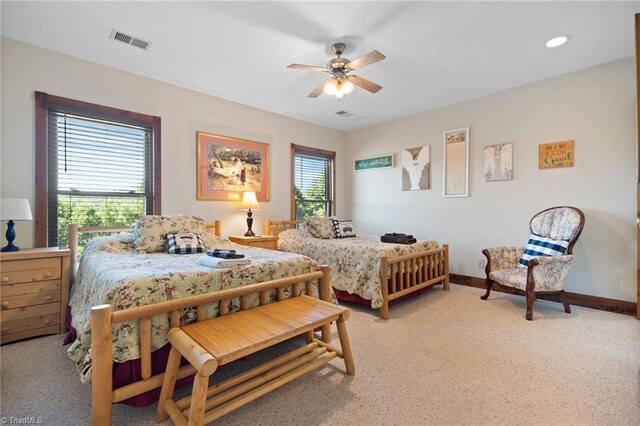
{"type": "Point", "coordinates": [100, 172]}
{"type": "Point", "coordinates": [313, 184]}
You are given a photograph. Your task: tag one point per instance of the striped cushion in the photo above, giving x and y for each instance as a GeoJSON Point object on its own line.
{"type": "Point", "coordinates": [541, 246]}
{"type": "Point", "coordinates": [185, 243]}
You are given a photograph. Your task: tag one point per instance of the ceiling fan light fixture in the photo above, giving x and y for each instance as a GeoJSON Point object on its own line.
{"type": "Point", "coordinates": [347, 87]}
{"type": "Point", "coordinates": [338, 88]}
{"type": "Point", "coordinates": [341, 83]}
{"type": "Point", "coordinates": [331, 87]}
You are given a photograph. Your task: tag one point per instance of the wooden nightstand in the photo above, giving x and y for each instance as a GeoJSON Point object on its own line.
{"type": "Point", "coordinates": [34, 292]}
{"type": "Point", "coordinates": [264, 241]}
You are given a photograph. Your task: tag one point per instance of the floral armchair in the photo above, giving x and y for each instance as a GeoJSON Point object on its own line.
{"type": "Point", "coordinates": [536, 272]}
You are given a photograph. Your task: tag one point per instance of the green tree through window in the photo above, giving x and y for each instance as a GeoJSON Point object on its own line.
{"type": "Point", "coordinates": [313, 182]}
{"type": "Point", "coordinates": [102, 167]}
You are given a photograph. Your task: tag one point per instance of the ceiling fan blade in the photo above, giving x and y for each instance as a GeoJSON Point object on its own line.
{"type": "Point", "coordinates": [365, 84]}
{"type": "Point", "coordinates": [307, 68]}
{"type": "Point", "coordinates": [365, 60]}
{"type": "Point", "coordinates": [318, 89]}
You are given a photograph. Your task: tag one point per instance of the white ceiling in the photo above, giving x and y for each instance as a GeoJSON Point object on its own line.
{"type": "Point", "coordinates": [438, 53]}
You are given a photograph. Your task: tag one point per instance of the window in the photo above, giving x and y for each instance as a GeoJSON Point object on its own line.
{"type": "Point", "coordinates": [313, 184]}
{"type": "Point", "coordinates": [95, 166]}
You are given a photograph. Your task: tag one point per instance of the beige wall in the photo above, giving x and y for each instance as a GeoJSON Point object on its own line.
{"type": "Point", "coordinates": [26, 68]}
{"type": "Point", "coordinates": [594, 107]}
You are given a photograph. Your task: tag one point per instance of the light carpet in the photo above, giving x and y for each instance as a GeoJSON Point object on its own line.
{"type": "Point", "coordinates": [442, 358]}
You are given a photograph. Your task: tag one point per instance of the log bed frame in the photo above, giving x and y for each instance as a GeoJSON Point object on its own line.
{"type": "Point", "coordinates": [404, 274]}
{"type": "Point", "coordinates": [103, 396]}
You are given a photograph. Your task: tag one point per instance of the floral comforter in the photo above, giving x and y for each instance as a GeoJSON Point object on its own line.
{"type": "Point", "coordinates": [354, 262]}
{"type": "Point", "coordinates": [111, 273]}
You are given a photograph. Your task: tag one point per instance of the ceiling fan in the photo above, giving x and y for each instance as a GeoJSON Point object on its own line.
{"type": "Point", "coordinates": [341, 83]}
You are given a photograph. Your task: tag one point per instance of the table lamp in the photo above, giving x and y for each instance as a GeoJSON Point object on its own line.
{"type": "Point", "coordinates": [249, 202]}
{"type": "Point", "coordinates": [13, 209]}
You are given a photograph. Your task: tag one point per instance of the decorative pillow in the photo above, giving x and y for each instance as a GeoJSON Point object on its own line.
{"type": "Point", "coordinates": [151, 231]}
{"type": "Point", "coordinates": [541, 246]}
{"type": "Point", "coordinates": [185, 243]}
{"type": "Point", "coordinates": [343, 229]}
{"type": "Point", "coordinates": [320, 227]}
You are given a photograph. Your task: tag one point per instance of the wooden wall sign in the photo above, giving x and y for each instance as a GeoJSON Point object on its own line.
{"type": "Point", "coordinates": [555, 154]}
{"type": "Point", "coordinates": [379, 162]}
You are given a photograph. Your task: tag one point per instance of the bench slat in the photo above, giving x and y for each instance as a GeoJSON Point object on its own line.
{"type": "Point", "coordinates": [241, 333]}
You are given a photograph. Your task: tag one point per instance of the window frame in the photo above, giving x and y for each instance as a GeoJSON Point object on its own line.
{"type": "Point", "coordinates": [45, 102]}
{"type": "Point", "coordinates": [300, 149]}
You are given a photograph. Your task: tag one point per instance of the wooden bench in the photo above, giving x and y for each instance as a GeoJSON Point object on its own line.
{"type": "Point", "coordinates": [218, 341]}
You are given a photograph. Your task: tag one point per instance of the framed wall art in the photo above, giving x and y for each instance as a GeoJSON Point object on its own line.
{"type": "Point", "coordinates": [227, 167]}
{"type": "Point", "coordinates": [416, 168]}
{"type": "Point", "coordinates": [456, 163]}
{"type": "Point", "coordinates": [370, 163]}
{"type": "Point", "coordinates": [498, 162]}
{"type": "Point", "coordinates": [555, 154]}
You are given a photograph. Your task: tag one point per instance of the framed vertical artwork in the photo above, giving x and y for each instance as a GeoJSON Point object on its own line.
{"type": "Point", "coordinates": [498, 162]}
{"type": "Point", "coordinates": [227, 167]}
{"type": "Point", "coordinates": [456, 163]}
{"type": "Point", "coordinates": [416, 168]}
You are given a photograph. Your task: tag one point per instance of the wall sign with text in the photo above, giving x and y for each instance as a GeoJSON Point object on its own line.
{"type": "Point", "coordinates": [379, 162]}
{"type": "Point", "coordinates": [555, 154]}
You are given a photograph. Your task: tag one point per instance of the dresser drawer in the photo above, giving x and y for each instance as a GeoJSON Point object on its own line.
{"type": "Point", "coordinates": [27, 265]}
{"type": "Point", "coordinates": [13, 302]}
{"type": "Point", "coordinates": [18, 326]}
{"type": "Point", "coordinates": [12, 277]}
{"type": "Point", "coordinates": [29, 312]}
{"type": "Point", "coordinates": [21, 289]}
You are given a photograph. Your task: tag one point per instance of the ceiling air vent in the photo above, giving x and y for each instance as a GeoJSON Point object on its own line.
{"type": "Point", "coordinates": [131, 40]}
{"type": "Point", "coordinates": [344, 114]}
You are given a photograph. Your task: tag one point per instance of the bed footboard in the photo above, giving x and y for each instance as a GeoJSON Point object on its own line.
{"type": "Point", "coordinates": [402, 275]}
{"type": "Point", "coordinates": [102, 319]}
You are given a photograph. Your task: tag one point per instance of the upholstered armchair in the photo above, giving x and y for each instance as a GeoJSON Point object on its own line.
{"type": "Point", "coordinates": [543, 265]}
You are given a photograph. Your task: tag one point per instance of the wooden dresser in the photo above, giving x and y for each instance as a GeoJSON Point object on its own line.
{"type": "Point", "coordinates": [34, 292]}
{"type": "Point", "coordinates": [264, 241]}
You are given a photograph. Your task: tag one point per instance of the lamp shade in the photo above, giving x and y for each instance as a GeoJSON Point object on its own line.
{"type": "Point", "coordinates": [249, 201]}
{"type": "Point", "coordinates": [15, 209]}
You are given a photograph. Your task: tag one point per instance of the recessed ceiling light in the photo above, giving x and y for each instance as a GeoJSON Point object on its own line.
{"type": "Point", "coordinates": [558, 41]}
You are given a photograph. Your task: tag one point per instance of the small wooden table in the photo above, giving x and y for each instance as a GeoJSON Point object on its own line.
{"type": "Point", "coordinates": [264, 241]}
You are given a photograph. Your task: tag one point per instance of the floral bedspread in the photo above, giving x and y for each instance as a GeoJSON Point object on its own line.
{"type": "Point", "coordinates": [354, 262]}
{"type": "Point", "coordinates": [111, 273]}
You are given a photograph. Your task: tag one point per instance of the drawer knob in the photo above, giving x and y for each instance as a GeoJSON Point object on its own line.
{"type": "Point", "coordinates": [47, 321]}
{"type": "Point", "coordinates": [48, 298]}
{"type": "Point", "coordinates": [48, 275]}
{"type": "Point", "coordinates": [5, 304]}
{"type": "Point", "coordinates": [5, 279]}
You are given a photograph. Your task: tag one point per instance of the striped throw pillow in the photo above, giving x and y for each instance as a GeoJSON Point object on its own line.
{"type": "Point", "coordinates": [541, 246]}
{"type": "Point", "coordinates": [185, 243]}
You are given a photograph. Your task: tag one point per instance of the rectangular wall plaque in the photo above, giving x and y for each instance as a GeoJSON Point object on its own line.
{"type": "Point", "coordinates": [555, 154]}
{"type": "Point", "coordinates": [379, 162]}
